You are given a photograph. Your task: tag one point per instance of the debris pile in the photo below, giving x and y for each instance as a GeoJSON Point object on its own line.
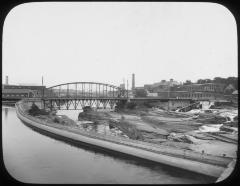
{"type": "Point", "coordinates": [182, 138]}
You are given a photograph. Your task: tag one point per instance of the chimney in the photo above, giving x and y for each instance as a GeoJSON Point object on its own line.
{"type": "Point", "coordinates": [6, 80]}
{"type": "Point", "coordinates": [133, 81]}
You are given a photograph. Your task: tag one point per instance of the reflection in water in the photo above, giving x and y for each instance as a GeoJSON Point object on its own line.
{"type": "Point", "coordinates": [6, 112]}
{"type": "Point", "coordinates": [32, 157]}
{"type": "Point", "coordinates": [102, 127]}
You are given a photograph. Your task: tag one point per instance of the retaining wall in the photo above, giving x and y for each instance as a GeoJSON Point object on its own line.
{"type": "Point", "coordinates": [210, 166]}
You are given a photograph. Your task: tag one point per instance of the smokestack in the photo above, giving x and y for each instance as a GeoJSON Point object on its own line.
{"type": "Point", "coordinates": [133, 81]}
{"type": "Point", "coordinates": [6, 80]}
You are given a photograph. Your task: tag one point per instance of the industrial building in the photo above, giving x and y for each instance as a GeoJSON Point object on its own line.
{"type": "Point", "coordinates": [20, 91]}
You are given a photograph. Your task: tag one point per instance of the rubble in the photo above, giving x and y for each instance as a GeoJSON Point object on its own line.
{"type": "Point", "coordinates": [210, 128]}
{"type": "Point", "coordinates": [191, 130]}
{"type": "Point", "coordinates": [182, 138]}
{"type": "Point", "coordinates": [228, 129]}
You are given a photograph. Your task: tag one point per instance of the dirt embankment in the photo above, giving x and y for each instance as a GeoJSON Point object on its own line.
{"type": "Point", "coordinates": [146, 125]}
{"type": "Point", "coordinates": [167, 128]}
{"type": "Point", "coordinates": [49, 116]}
{"type": "Point", "coordinates": [180, 130]}
{"type": "Point", "coordinates": [114, 120]}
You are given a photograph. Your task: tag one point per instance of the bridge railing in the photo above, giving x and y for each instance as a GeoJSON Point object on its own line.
{"type": "Point", "coordinates": [84, 90]}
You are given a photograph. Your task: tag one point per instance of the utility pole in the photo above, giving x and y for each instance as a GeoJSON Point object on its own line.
{"type": "Point", "coordinates": [42, 88]}
{"type": "Point", "coordinates": [169, 90]}
{"type": "Point", "coordinates": [42, 102]}
{"type": "Point", "coordinates": [127, 88]}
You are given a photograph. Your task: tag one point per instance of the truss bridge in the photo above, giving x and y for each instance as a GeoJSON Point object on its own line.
{"type": "Point", "coordinates": [76, 95]}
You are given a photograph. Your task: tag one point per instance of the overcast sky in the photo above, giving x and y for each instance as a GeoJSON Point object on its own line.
{"type": "Point", "coordinates": [106, 42]}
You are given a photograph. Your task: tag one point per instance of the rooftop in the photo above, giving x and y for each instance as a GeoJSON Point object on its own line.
{"type": "Point", "coordinates": [235, 92]}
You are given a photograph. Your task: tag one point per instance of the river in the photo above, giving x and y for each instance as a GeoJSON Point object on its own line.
{"type": "Point", "coordinates": [32, 157]}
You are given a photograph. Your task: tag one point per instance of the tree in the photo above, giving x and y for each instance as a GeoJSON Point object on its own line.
{"type": "Point", "coordinates": [227, 81]}
{"type": "Point", "coordinates": [34, 110]}
{"type": "Point", "coordinates": [188, 82]}
{"type": "Point", "coordinates": [208, 80]}
{"type": "Point", "coordinates": [203, 81]}
{"type": "Point", "coordinates": [218, 80]}
{"type": "Point", "coordinates": [200, 81]}
{"type": "Point", "coordinates": [233, 81]}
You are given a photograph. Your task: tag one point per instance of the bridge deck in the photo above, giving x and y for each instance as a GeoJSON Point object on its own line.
{"type": "Point", "coordinates": [120, 98]}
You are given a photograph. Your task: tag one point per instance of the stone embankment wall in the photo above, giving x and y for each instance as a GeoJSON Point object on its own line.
{"type": "Point", "coordinates": [227, 172]}
{"type": "Point", "coordinates": [195, 162]}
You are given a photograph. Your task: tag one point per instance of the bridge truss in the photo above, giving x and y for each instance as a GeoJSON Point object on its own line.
{"type": "Point", "coordinates": [76, 95]}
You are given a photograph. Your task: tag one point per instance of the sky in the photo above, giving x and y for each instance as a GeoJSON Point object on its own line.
{"type": "Point", "coordinates": [107, 42]}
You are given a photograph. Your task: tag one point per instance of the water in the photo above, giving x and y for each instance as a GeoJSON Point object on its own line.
{"type": "Point", "coordinates": [32, 157]}
{"type": "Point", "coordinates": [101, 127]}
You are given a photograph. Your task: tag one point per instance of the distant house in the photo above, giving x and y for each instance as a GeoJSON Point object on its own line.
{"type": "Point", "coordinates": [233, 97]}
{"type": "Point", "coordinates": [235, 92]}
{"type": "Point", "coordinates": [229, 89]}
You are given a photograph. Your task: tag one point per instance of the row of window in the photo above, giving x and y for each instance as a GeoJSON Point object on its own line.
{"type": "Point", "coordinates": [196, 95]}
{"type": "Point", "coordinates": [15, 95]}
{"type": "Point", "coordinates": [202, 88]}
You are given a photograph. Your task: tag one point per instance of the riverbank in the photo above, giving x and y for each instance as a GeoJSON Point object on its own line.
{"type": "Point", "coordinates": [199, 133]}
{"type": "Point", "coordinates": [210, 165]}
{"type": "Point", "coordinates": [56, 161]}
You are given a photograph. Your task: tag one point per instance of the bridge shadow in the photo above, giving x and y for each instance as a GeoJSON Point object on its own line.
{"type": "Point", "coordinates": [126, 158]}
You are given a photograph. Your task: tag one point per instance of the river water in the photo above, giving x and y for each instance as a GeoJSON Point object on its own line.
{"type": "Point", "coordinates": [102, 127]}
{"type": "Point", "coordinates": [32, 157]}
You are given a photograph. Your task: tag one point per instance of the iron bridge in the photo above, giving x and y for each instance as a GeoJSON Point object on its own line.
{"type": "Point", "coordinates": [76, 95]}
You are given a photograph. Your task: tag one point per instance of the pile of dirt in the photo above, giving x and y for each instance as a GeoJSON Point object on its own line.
{"type": "Point", "coordinates": [228, 129]}
{"type": "Point", "coordinates": [183, 138]}
{"type": "Point", "coordinates": [130, 130]}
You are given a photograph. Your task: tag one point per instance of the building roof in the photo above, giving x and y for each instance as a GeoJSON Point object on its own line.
{"type": "Point", "coordinates": [235, 92]}
{"type": "Point", "coordinates": [165, 83]}
{"type": "Point", "coordinates": [229, 87]}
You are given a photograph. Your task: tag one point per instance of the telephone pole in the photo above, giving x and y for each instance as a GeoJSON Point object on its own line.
{"type": "Point", "coordinates": [42, 88]}
{"type": "Point", "coordinates": [127, 88]}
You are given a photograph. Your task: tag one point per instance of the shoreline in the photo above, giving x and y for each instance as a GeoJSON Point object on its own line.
{"type": "Point", "coordinates": [214, 171]}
